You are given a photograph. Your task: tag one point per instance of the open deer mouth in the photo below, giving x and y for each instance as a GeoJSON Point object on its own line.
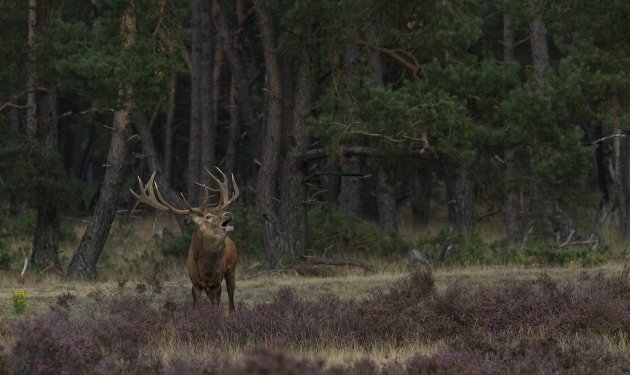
{"type": "Point", "coordinates": [225, 225]}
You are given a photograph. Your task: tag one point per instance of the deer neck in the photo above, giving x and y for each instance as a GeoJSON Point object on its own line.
{"type": "Point", "coordinates": [210, 241]}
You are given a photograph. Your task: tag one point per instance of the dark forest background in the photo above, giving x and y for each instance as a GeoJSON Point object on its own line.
{"type": "Point", "coordinates": [513, 109]}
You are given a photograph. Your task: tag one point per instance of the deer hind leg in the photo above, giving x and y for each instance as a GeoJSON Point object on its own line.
{"type": "Point", "coordinates": [230, 283]}
{"type": "Point", "coordinates": [196, 294]}
{"type": "Point", "coordinates": [214, 293]}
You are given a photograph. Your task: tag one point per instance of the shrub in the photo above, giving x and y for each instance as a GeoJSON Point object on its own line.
{"type": "Point", "coordinates": [247, 232]}
{"type": "Point", "coordinates": [178, 247]}
{"type": "Point", "coordinates": [264, 361]}
{"type": "Point", "coordinates": [20, 301]}
{"type": "Point", "coordinates": [332, 228]}
{"type": "Point", "coordinates": [48, 345]}
{"type": "Point", "coordinates": [535, 326]}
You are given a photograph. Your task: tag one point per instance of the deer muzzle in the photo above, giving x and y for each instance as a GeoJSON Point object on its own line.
{"type": "Point", "coordinates": [225, 223]}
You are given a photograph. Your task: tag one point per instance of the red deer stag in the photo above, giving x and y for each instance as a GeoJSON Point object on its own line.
{"type": "Point", "coordinates": [212, 255]}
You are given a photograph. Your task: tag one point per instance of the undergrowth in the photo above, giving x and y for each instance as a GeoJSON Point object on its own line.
{"type": "Point", "coordinates": [538, 326]}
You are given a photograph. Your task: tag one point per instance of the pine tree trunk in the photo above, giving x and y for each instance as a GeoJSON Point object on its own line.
{"type": "Point", "coordinates": [266, 187]}
{"type": "Point", "coordinates": [421, 186]}
{"type": "Point", "coordinates": [234, 130]}
{"type": "Point", "coordinates": [232, 53]}
{"type": "Point", "coordinates": [350, 195]}
{"type": "Point", "coordinates": [511, 203]}
{"type": "Point", "coordinates": [83, 263]}
{"type": "Point", "coordinates": [198, 71]}
{"type": "Point", "coordinates": [460, 196]}
{"type": "Point", "coordinates": [349, 198]}
{"type": "Point", "coordinates": [208, 124]}
{"type": "Point", "coordinates": [540, 49]}
{"type": "Point", "coordinates": [293, 209]}
{"type": "Point", "coordinates": [46, 241]}
{"type": "Point", "coordinates": [385, 191]}
{"type": "Point", "coordinates": [151, 158]}
{"type": "Point", "coordinates": [169, 130]}
{"type": "Point", "coordinates": [42, 133]}
{"type": "Point", "coordinates": [386, 201]}
{"type": "Point", "coordinates": [542, 203]}
{"type": "Point", "coordinates": [31, 119]}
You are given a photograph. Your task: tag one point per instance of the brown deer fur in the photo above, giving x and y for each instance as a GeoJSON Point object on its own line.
{"type": "Point", "coordinates": [212, 257]}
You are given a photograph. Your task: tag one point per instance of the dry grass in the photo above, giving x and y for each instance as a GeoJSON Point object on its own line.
{"type": "Point", "coordinates": [251, 288]}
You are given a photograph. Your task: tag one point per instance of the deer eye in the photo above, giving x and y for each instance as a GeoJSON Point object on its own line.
{"type": "Point", "coordinates": [208, 216]}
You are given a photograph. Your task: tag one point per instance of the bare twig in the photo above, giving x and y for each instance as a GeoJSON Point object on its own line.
{"type": "Point", "coordinates": [11, 104]}
{"type": "Point", "coordinates": [607, 138]}
{"type": "Point", "coordinates": [24, 268]}
{"type": "Point", "coordinates": [568, 239]}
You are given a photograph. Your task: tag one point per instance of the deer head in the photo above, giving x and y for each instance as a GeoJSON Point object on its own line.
{"type": "Point", "coordinates": [212, 219]}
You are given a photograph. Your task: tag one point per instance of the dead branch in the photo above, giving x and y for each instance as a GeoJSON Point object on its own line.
{"type": "Point", "coordinates": [320, 153]}
{"type": "Point", "coordinates": [596, 141]}
{"type": "Point", "coordinates": [24, 268]}
{"type": "Point", "coordinates": [592, 240]}
{"type": "Point", "coordinates": [384, 137]}
{"type": "Point", "coordinates": [413, 66]}
{"type": "Point", "coordinates": [566, 242]}
{"type": "Point", "coordinates": [10, 104]}
{"type": "Point", "coordinates": [337, 262]}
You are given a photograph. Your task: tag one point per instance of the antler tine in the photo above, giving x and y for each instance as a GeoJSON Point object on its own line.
{"type": "Point", "coordinates": [150, 195]}
{"type": "Point", "coordinates": [224, 199]}
{"type": "Point", "coordinates": [222, 192]}
{"type": "Point", "coordinates": [236, 191]}
{"type": "Point", "coordinates": [207, 194]}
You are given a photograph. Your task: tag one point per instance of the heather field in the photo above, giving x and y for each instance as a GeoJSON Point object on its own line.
{"type": "Point", "coordinates": [474, 320]}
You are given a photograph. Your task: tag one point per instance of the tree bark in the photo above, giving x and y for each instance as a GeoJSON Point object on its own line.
{"type": "Point", "coordinates": [511, 203]}
{"type": "Point", "coordinates": [31, 119]}
{"type": "Point", "coordinates": [386, 201]}
{"type": "Point", "coordinates": [266, 185]}
{"type": "Point", "coordinates": [541, 202]}
{"type": "Point", "coordinates": [42, 133]}
{"type": "Point", "coordinates": [385, 191]}
{"type": "Point", "coordinates": [540, 49]}
{"type": "Point", "coordinates": [229, 42]}
{"type": "Point", "coordinates": [46, 241]}
{"type": "Point", "coordinates": [421, 186]}
{"type": "Point", "coordinates": [349, 198]}
{"type": "Point", "coordinates": [460, 196]}
{"type": "Point", "coordinates": [200, 74]}
{"type": "Point", "coordinates": [293, 209]}
{"type": "Point", "coordinates": [208, 123]}
{"type": "Point", "coordinates": [234, 130]}
{"type": "Point", "coordinates": [169, 130]}
{"type": "Point", "coordinates": [83, 263]}
{"type": "Point", "coordinates": [151, 158]}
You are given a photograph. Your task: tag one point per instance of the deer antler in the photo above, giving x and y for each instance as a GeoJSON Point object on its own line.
{"type": "Point", "coordinates": [150, 195]}
{"type": "Point", "coordinates": [223, 191]}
